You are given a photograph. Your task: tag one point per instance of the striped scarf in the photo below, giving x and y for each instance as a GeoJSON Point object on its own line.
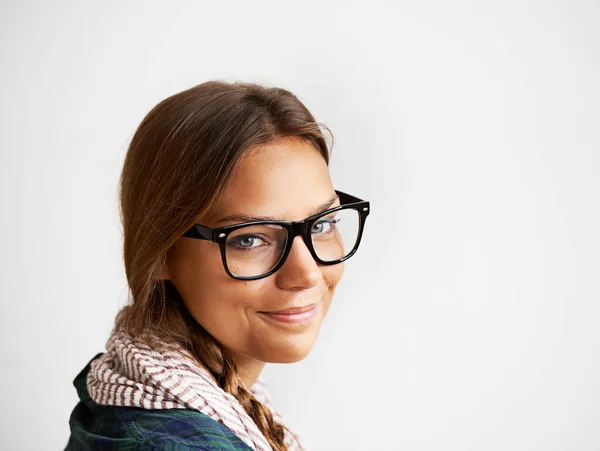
{"type": "Point", "coordinates": [131, 374]}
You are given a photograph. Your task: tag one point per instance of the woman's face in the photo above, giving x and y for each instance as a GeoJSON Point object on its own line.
{"type": "Point", "coordinates": [286, 180]}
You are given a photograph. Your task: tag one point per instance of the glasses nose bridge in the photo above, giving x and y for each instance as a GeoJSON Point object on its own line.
{"type": "Point", "coordinates": [299, 228]}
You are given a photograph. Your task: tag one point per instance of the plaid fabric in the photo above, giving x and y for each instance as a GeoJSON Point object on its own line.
{"type": "Point", "coordinates": [97, 427]}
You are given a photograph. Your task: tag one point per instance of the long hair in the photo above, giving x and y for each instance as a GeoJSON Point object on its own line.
{"type": "Point", "coordinates": [177, 164]}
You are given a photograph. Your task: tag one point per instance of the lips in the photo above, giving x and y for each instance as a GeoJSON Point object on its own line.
{"type": "Point", "coordinates": [292, 310]}
{"type": "Point", "coordinates": [292, 317]}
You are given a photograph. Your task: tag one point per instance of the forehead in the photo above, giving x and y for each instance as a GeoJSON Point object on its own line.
{"type": "Point", "coordinates": [286, 179]}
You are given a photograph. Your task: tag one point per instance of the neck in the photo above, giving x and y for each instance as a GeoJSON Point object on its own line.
{"type": "Point", "coordinates": [248, 369]}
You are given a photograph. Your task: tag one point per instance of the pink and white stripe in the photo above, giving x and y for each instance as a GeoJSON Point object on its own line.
{"type": "Point", "coordinates": [131, 374]}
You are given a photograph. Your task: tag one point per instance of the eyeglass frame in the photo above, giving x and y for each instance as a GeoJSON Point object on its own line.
{"type": "Point", "coordinates": [293, 229]}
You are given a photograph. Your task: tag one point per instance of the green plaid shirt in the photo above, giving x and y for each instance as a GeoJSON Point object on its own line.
{"type": "Point", "coordinates": [96, 427]}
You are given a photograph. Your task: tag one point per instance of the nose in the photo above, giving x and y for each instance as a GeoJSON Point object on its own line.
{"type": "Point", "coordinates": [300, 270]}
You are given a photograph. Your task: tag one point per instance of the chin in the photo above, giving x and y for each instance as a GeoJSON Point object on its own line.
{"type": "Point", "coordinates": [290, 352]}
{"type": "Point", "coordinates": [291, 357]}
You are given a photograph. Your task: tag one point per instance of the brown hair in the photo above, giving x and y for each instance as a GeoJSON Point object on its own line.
{"type": "Point", "coordinates": [178, 163]}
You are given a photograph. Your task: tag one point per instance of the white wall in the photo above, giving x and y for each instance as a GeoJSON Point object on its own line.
{"type": "Point", "coordinates": [467, 320]}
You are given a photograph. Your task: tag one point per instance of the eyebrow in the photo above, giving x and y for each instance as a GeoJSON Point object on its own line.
{"type": "Point", "coordinates": [248, 218]}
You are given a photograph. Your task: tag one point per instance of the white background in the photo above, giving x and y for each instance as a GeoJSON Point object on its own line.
{"type": "Point", "coordinates": [468, 320]}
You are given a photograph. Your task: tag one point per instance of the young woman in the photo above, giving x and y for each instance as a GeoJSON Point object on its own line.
{"type": "Point", "coordinates": [234, 243]}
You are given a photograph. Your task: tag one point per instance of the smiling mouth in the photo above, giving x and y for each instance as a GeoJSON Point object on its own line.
{"type": "Point", "coordinates": [293, 316]}
{"type": "Point", "coordinates": [293, 310]}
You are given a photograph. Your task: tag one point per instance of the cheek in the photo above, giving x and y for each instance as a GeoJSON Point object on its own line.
{"type": "Point", "coordinates": [217, 302]}
{"type": "Point", "coordinates": [226, 309]}
{"type": "Point", "coordinates": [197, 272]}
{"type": "Point", "coordinates": [332, 275]}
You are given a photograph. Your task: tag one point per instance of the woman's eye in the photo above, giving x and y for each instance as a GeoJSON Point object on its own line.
{"type": "Point", "coordinates": [323, 226]}
{"type": "Point", "coordinates": [246, 242]}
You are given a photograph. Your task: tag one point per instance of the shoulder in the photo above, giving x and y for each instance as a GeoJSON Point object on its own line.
{"type": "Point", "coordinates": [128, 428]}
{"type": "Point", "coordinates": [183, 428]}
{"type": "Point", "coordinates": [179, 429]}
{"type": "Point", "coordinates": [102, 427]}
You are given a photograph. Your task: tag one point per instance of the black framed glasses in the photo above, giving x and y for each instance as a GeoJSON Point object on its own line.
{"type": "Point", "coordinates": [253, 250]}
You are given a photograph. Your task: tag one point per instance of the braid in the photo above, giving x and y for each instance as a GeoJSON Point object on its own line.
{"type": "Point", "coordinates": [224, 369]}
